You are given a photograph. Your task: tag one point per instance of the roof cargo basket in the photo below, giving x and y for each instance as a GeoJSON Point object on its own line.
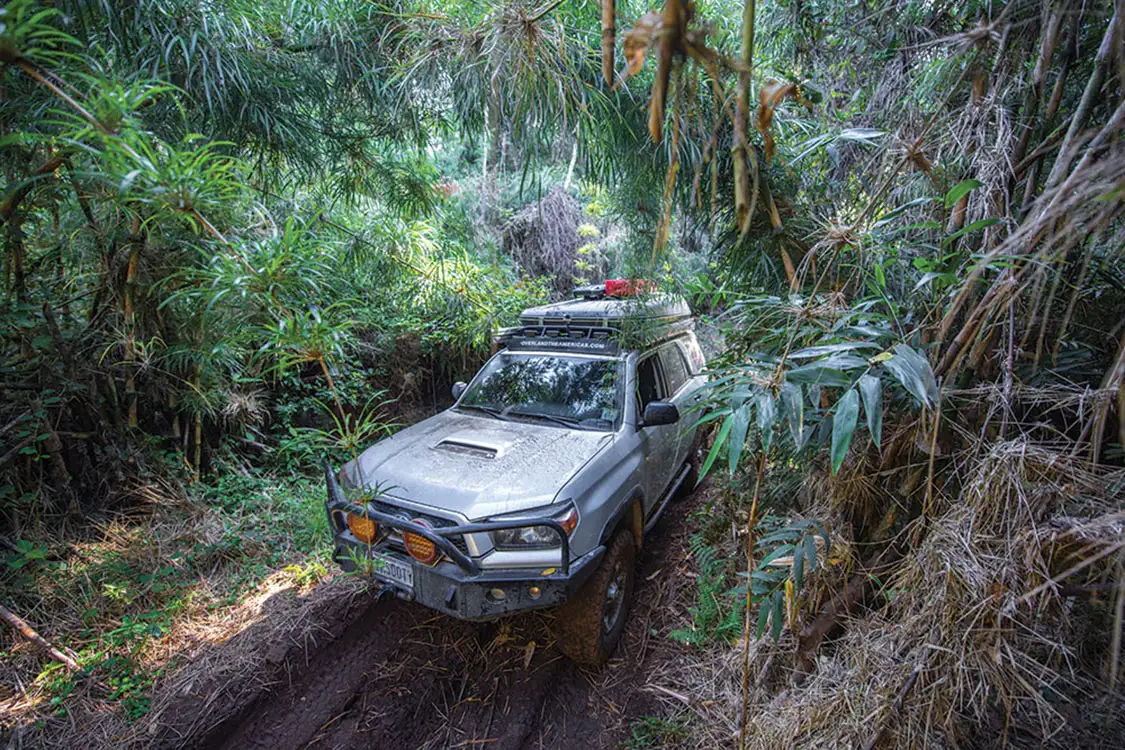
{"type": "Point", "coordinates": [600, 319]}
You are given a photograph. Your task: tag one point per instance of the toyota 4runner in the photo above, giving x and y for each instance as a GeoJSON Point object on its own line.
{"type": "Point", "coordinates": [536, 488]}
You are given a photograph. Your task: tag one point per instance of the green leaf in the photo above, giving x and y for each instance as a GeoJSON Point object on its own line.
{"type": "Point", "coordinates": [880, 276]}
{"type": "Point", "coordinates": [778, 615]}
{"type": "Point", "coordinates": [787, 534]}
{"type": "Point", "coordinates": [767, 415]}
{"type": "Point", "coordinates": [724, 430]}
{"type": "Point", "coordinates": [872, 390]}
{"type": "Point", "coordinates": [793, 407]}
{"type": "Point", "coordinates": [819, 351]}
{"type": "Point", "coordinates": [843, 426]}
{"type": "Point", "coordinates": [979, 224]}
{"type": "Point", "coordinates": [914, 372]}
{"type": "Point", "coordinates": [781, 551]}
{"type": "Point", "coordinates": [763, 618]}
{"type": "Point", "coordinates": [816, 373]}
{"type": "Point", "coordinates": [809, 544]}
{"type": "Point", "coordinates": [740, 422]}
{"type": "Point", "coordinates": [929, 276]}
{"type": "Point", "coordinates": [799, 565]}
{"type": "Point", "coordinates": [960, 190]}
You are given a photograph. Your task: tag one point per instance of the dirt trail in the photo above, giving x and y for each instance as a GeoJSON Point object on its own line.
{"type": "Point", "coordinates": [402, 677]}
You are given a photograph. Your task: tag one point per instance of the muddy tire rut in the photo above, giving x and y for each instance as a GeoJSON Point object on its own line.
{"type": "Point", "coordinates": [401, 676]}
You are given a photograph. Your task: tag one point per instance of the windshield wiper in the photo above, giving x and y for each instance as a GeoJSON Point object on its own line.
{"type": "Point", "coordinates": [491, 411]}
{"type": "Point", "coordinates": [564, 421]}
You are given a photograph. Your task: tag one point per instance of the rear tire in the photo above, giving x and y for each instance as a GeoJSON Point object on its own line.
{"type": "Point", "coordinates": [589, 626]}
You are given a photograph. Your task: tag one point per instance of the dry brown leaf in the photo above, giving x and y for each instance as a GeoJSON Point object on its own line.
{"type": "Point", "coordinates": [643, 35]}
{"type": "Point", "coordinates": [772, 94]}
{"type": "Point", "coordinates": [528, 653]}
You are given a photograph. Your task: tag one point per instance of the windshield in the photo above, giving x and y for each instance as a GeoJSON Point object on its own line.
{"type": "Point", "coordinates": [574, 391]}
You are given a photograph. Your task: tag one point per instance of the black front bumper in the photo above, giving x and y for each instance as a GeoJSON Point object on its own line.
{"type": "Point", "coordinates": [456, 584]}
{"type": "Point", "coordinates": [446, 588]}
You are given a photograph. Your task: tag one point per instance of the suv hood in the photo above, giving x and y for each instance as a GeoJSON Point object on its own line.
{"type": "Point", "coordinates": [478, 466]}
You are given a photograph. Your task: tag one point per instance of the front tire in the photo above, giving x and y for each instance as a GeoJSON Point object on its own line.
{"type": "Point", "coordinates": [589, 626]}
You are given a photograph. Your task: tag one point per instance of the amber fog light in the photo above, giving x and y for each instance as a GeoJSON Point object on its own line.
{"type": "Point", "coordinates": [364, 529]}
{"type": "Point", "coordinates": [419, 547]}
{"type": "Point", "coordinates": [534, 592]}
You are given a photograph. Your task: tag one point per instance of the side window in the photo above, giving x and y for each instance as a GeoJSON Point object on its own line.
{"type": "Point", "coordinates": [649, 387]}
{"type": "Point", "coordinates": [675, 367]}
{"type": "Point", "coordinates": [695, 355]}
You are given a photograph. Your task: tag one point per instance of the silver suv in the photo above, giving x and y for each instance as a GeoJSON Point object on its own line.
{"type": "Point", "coordinates": [535, 489]}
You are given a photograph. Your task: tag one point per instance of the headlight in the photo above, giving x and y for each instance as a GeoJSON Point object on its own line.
{"type": "Point", "coordinates": [535, 537]}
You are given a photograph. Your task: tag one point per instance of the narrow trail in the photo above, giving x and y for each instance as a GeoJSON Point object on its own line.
{"type": "Point", "coordinates": [401, 676]}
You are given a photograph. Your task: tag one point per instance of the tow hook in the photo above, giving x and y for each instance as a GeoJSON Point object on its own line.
{"type": "Point", "coordinates": [386, 590]}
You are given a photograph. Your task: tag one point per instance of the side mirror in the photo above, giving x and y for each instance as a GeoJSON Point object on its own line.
{"type": "Point", "coordinates": [459, 388]}
{"type": "Point", "coordinates": [660, 412]}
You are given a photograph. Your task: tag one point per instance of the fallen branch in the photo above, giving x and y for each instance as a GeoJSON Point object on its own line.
{"type": "Point", "coordinates": [28, 632]}
{"type": "Point", "coordinates": [839, 607]}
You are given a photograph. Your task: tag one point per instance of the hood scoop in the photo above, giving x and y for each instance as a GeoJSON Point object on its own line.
{"type": "Point", "coordinates": [467, 448]}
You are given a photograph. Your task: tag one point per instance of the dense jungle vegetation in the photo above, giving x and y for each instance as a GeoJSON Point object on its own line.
{"type": "Point", "coordinates": [240, 236]}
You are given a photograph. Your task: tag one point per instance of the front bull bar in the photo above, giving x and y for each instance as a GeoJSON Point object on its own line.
{"type": "Point", "coordinates": [338, 503]}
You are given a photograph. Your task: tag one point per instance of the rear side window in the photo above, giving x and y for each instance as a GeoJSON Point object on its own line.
{"type": "Point", "coordinates": [675, 367]}
{"type": "Point", "coordinates": [649, 387]}
{"type": "Point", "coordinates": [696, 362]}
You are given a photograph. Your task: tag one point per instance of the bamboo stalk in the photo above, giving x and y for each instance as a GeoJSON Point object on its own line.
{"type": "Point", "coordinates": [609, 38]}
{"type": "Point", "coordinates": [673, 20]}
{"type": "Point", "coordinates": [1069, 147]}
{"type": "Point", "coordinates": [744, 200]}
{"type": "Point", "coordinates": [135, 249]}
{"type": "Point", "coordinates": [751, 521]}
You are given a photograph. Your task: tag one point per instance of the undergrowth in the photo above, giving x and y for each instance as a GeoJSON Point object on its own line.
{"type": "Point", "coordinates": [114, 597]}
{"type": "Point", "coordinates": [717, 615]}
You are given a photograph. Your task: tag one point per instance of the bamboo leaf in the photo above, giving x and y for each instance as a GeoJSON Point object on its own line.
{"type": "Point", "coordinates": [914, 372]}
{"type": "Point", "coordinates": [740, 422]}
{"type": "Point", "coordinates": [799, 565]}
{"type": "Point", "coordinates": [843, 427]}
{"type": "Point", "coordinates": [960, 190]}
{"type": "Point", "coordinates": [793, 407]}
{"type": "Point", "coordinates": [809, 543]}
{"type": "Point", "coordinates": [763, 618]}
{"type": "Point", "coordinates": [781, 551]}
{"type": "Point", "coordinates": [778, 615]}
{"type": "Point", "coordinates": [767, 415]}
{"type": "Point", "coordinates": [724, 430]}
{"type": "Point", "coordinates": [820, 351]}
{"type": "Point", "coordinates": [871, 388]}
{"type": "Point", "coordinates": [816, 373]}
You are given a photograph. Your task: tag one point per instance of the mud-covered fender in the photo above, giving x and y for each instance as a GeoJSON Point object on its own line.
{"type": "Point", "coordinates": [630, 514]}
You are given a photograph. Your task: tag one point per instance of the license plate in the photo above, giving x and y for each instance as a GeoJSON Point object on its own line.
{"type": "Point", "coordinates": [395, 571]}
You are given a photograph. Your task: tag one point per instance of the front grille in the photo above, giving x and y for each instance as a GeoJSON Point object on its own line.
{"type": "Point", "coordinates": [394, 539]}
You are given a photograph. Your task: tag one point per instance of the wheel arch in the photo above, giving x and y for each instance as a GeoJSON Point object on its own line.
{"type": "Point", "coordinates": [629, 515]}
